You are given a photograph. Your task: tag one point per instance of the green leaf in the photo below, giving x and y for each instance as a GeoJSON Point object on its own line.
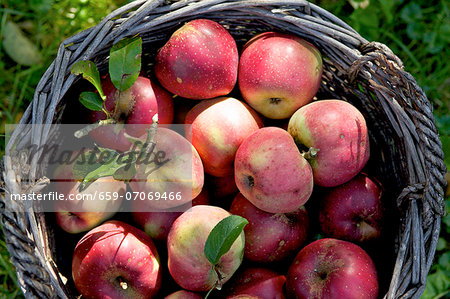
{"type": "Point", "coordinates": [107, 164]}
{"type": "Point", "coordinates": [18, 46]}
{"type": "Point", "coordinates": [222, 237]}
{"type": "Point", "coordinates": [441, 245]}
{"type": "Point", "coordinates": [437, 285]}
{"type": "Point", "coordinates": [128, 170]}
{"type": "Point", "coordinates": [84, 164]}
{"type": "Point", "coordinates": [125, 62]}
{"type": "Point", "coordinates": [91, 100]}
{"type": "Point", "coordinates": [103, 162]}
{"type": "Point", "coordinates": [444, 260]}
{"type": "Point", "coordinates": [415, 30]}
{"type": "Point", "coordinates": [125, 173]}
{"type": "Point", "coordinates": [411, 12]}
{"type": "Point", "coordinates": [432, 39]}
{"type": "Point", "coordinates": [90, 72]}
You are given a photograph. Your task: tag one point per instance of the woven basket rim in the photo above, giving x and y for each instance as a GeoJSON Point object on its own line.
{"type": "Point", "coordinates": [352, 59]}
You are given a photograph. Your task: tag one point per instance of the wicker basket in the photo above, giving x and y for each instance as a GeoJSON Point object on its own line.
{"type": "Point", "coordinates": [406, 150]}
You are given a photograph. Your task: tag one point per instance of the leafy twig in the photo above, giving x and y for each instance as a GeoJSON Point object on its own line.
{"type": "Point", "coordinates": [85, 131]}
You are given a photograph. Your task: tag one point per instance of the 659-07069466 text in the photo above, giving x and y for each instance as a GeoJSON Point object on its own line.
{"type": "Point", "coordinates": [97, 195]}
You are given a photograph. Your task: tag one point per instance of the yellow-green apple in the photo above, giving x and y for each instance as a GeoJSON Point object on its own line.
{"type": "Point", "coordinates": [270, 237]}
{"type": "Point", "coordinates": [199, 61]}
{"type": "Point", "coordinates": [116, 260]}
{"type": "Point", "coordinates": [157, 224]}
{"type": "Point", "coordinates": [183, 294]}
{"type": "Point", "coordinates": [271, 173]}
{"type": "Point", "coordinates": [135, 108]}
{"type": "Point", "coordinates": [332, 268]}
{"type": "Point", "coordinates": [171, 176]}
{"type": "Point", "coordinates": [83, 210]}
{"type": "Point", "coordinates": [338, 131]}
{"type": "Point", "coordinates": [352, 211]}
{"type": "Point", "coordinates": [218, 128]}
{"type": "Point", "coordinates": [259, 282]}
{"type": "Point", "coordinates": [279, 73]}
{"type": "Point", "coordinates": [187, 261]}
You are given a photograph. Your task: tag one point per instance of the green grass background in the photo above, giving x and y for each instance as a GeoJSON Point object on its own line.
{"type": "Point", "coordinates": [417, 31]}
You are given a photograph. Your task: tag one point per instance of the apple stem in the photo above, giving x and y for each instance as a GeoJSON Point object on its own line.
{"type": "Point", "coordinates": [149, 144]}
{"type": "Point", "coordinates": [84, 131]}
{"type": "Point", "coordinates": [218, 284]}
{"type": "Point", "coordinates": [311, 153]}
{"type": "Point", "coordinates": [275, 100]}
{"type": "Point", "coordinates": [210, 290]}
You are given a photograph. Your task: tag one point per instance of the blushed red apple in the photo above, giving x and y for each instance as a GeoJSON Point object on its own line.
{"type": "Point", "coordinates": [157, 224]}
{"type": "Point", "coordinates": [218, 128]}
{"type": "Point", "coordinates": [270, 237]}
{"type": "Point", "coordinates": [279, 73]}
{"type": "Point", "coordinates": [199, 61]}
{"type": "Point", "coordinates": [271, 173]}
{"type": "Point", "coordinates": [332, 268]}
{"type": "Point", "coordinates": [258, 282]}
{"type": "Point", "coordinates": [187, 262]}
{"type": "Point", "coordinates": [174, 171]}
{"type": "Point", "coordinates": [352, 211]}
{"type": "Point", "coordinates": [339, 131]}
{"type": "Point", "coordinates": [134, 107]}
{"type": "Point", "coordinates": [85, 209]}
{"type": "Point", "coordinates": [116, 260]}
{"type": "Point", "coordinates": [79, 215]}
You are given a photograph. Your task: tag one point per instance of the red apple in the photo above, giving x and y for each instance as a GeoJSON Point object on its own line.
{"type": "Point", "coordinates": [199, 61]}
{"type": "Point", "coordinates": [271, 173]}
{"type": "Point", "coordinates": [352, 211]}
{"type": "Point", "coordinates": [270, 237]}
{"type": "Point", "coordinates": [174, 171]}
{"type": "Point", "coordinates": [85, 209]}
{"type": "Point", "coordinates": [218, 128]}
{"type": "Point", "coordinates": [157, 224]}
{"type": "Point", "coordinates": [332, 268]}
{"type": "Point", "coordinates": [116, 260]}
{"type": "Point", "coordinates": [134, 107]}
{"type": "Point", "coordinates": [187, 262]}
{"type": "Point", "coordinates": [258, 282]}
{"type": "Point", "coordinates": [279, 73]}
{"type": "Point", "coordinates": [183, 294]}
{"type": "Point", "coordinates": [338, 130]}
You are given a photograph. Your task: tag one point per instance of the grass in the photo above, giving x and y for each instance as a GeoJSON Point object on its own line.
{"type": "Point", "coordinates": [8, 279]}
{"type": "Point", "coordinates": [417, 31]}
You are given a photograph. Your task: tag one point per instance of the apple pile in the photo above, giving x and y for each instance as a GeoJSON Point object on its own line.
{"type": "Point", "coordinates": [239, 163]}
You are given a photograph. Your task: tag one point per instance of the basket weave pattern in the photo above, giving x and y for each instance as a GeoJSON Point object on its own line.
{"type": "Point", "coordinates": [367, 74]}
